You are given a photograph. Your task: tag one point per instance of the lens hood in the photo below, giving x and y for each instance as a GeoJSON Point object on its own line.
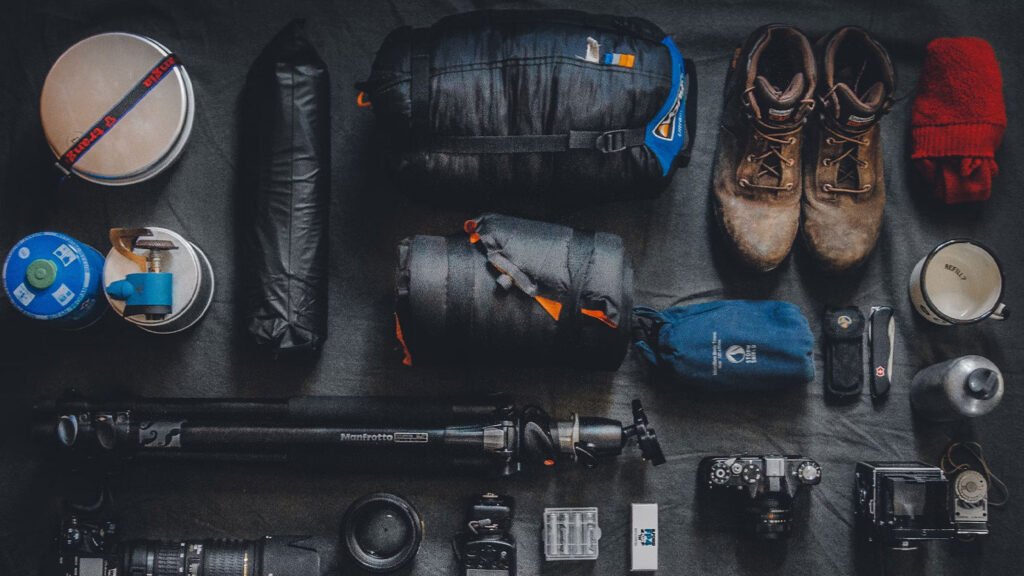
{"type": "Point", "coordinates": [382, 532]}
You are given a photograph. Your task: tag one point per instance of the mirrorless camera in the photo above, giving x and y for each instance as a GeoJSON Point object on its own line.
{"type": "Point", "coordinates": [488, 547]}
{"type": "Point", "coordinates": [769, 483]}
{"type": "Point", "coordinates": [902, 503]}
{"type": "Point", "coordinates": [93, 549]}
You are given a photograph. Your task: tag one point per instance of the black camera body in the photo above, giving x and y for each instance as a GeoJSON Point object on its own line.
{"type": "Point", "coordinates": [488, 548]}
{"type": "Point", "coordinates": [770, 483]}
{"type": "Point", "coordinates": [94, 549]}
{"type": "Point", "coordinates": [902, 503]}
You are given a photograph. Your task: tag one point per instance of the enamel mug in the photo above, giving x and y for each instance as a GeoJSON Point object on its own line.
{"type": "Point", "coordinates": [958, 282]}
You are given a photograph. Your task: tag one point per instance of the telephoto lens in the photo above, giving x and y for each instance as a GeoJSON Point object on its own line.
{"type": "Point", "coordinates": [269, 556]}
{"type": "Point", "coordinates": [93, 549]}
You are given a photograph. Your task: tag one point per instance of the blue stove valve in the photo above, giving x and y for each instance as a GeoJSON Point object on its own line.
{"type": "Point", "coordinates": [151, 291]}
{"type": "Point", "coordinates": [147, 293]}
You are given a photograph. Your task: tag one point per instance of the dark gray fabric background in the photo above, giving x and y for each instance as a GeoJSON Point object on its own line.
{"type": "Point", "coordinates": [677, 262]}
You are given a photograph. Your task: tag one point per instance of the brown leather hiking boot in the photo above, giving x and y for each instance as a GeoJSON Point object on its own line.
{"type": "Point", "coordinates": [769, 92]}
{"type": "Point", "coordinates": [844, 183]}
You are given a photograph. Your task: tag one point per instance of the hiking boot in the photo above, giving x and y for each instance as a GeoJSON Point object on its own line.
{"type": "Point", "coordinates": [769, 92]}
{"type": "Point", "coordinates": [844, 183]}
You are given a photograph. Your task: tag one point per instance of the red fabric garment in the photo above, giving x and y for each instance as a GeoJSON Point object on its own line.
{"type": "Point", "coordinates": [958, 119]}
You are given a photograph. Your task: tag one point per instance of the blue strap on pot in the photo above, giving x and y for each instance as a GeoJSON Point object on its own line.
{"type": "Point", "coordinates": [728, 345]}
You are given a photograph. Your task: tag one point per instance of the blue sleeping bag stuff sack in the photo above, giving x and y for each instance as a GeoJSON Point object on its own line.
{"type": "Point", "coordinates": [729, 345]}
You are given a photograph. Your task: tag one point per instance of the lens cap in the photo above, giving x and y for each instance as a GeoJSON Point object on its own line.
{"type": "Point", "coordinates": [382, 532]}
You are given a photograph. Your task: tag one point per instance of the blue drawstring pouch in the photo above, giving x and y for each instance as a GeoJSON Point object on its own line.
{"type": "Point", "coordinates": [728, 345]}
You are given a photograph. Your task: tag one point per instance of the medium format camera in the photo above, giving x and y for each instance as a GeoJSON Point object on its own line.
{"type": "Point", "coordinates": [770, 483]}
{"type": "Point", "coordinates": [93, 549]}
{"type": "Point", "coordinates": [488, 548]}
{"type": "Point", "coordinates": [902, 503]}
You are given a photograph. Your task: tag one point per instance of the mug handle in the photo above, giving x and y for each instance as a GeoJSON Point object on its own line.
{"type": "Point", "coordinates": [1000, 313]}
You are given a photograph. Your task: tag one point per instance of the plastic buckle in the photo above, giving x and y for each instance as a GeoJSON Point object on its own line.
{"type": "Point", "coordinates": [611, 141]}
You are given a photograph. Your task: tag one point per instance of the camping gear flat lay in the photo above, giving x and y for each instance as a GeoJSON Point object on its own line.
{"type": "Point", "coordinates": [590, 352]}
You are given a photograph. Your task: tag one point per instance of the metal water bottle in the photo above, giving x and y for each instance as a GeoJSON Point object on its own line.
{"type": "Point", "coordinates": [963, 387]}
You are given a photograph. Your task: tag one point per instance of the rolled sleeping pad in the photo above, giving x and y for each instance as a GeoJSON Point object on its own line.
{"type": "Point", "coordinates": [509, 290]}
{"type": "Point", "coordinates": [284, 195]}
{"type": "Point", "coordinates": [728, 345]}
{"type": "Point", "coordinates": [528, 111]}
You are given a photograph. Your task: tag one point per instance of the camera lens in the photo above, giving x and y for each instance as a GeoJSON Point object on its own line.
{"type": "Point", "coordinates": [209, 558]}
{"type": "Point", "coordinates": [382, 532]}
{"type": "Point", "coordinates": [769, 516]}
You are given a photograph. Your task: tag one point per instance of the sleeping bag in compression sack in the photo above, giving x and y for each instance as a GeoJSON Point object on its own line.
{"type": "Point", "coordinates": [284, 194]}
{"type": "Point", "coordinates": [511, 290]}
{"type": "Point", "coordinates": [729, 345]}
{"type": "Point", "coordinates": [531, 110]}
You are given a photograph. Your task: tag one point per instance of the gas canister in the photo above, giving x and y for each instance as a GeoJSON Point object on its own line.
{"type": "Point", "coordinates": [52, 277]}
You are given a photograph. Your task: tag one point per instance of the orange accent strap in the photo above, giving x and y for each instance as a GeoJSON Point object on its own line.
{"type": "Point", "coordinates": [553, 307]}
{"type": "Point", "coordinates": [600, 315]}
{"type": "Point", "coordinates": [469, 226]}
{"type": "Point", "coordinates": [407, 359]}
{"type": "Point", "coordinates": [362, 101]}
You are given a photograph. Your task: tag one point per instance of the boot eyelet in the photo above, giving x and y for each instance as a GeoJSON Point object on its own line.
{"type": "Point", "coordinates": [865, 142]}
{"type": "Point", "coordinates": [862, 164]}
{"type": "Point", "coordinates": [826, 187]}
{"type": "Point", "coordinates": [750, 157]}
{"type": "Point", "coordinates": [830, 141]}
{"type": "Point", "coordinates": [743, 182]}
{"type": "Point", "coordinates": [790, 162]}
{"type": "Point", "coordinates": [789, 186]}
{"type": "Point", "coordinates": [826, 161]}
{"type": "Point", "coordinates": [792, 140]}
{"type": "Point", "coordinates": [867, 187]}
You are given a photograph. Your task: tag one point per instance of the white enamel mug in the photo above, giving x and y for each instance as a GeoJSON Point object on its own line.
{"type": "Point", "coordinates": [958, 282]}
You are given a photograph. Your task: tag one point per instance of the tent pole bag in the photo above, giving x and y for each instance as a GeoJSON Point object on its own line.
{"type": "Point", "coordinates": [514, 291]}
{"type": "Point", "coordinates": [532, 111]}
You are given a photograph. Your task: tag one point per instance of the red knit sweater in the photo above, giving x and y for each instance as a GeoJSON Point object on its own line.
{"type": "Point", "coordinates": [958, 119]}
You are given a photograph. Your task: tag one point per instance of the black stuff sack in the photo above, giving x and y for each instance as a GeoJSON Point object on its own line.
{"type": "Point", "coordinates": [284, 194]}
{"type": "Point", "coordinates": [514, 291]}
{"type": "Point", "coordinates": [531, 111]}
{"type": "Point", "coordinates": [729, 345]}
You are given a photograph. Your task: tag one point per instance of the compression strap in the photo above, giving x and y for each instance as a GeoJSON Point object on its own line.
{"type": "Point", "coordinates": [98, 130]}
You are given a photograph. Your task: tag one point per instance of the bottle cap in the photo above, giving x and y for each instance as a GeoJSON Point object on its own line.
{"type": "Point", "coordinates": [982, 383]}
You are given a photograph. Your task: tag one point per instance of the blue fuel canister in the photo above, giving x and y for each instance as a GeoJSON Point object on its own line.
{"type": "Point", "coordinates": [53, 277]}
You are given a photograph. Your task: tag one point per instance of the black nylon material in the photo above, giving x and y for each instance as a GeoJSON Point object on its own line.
{"type": "Point", "coordinates": [284, 194]}
{"type": "Point", "coordinates": [498, 79]}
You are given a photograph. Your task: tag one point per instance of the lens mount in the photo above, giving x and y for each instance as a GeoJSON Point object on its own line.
{"type": "Point", "coordinates": [382, 532]}
{"type": "Point", "coordinates": [770, 515]}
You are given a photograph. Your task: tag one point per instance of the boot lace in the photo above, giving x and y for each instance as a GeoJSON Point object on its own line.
{"type": "Point", "coordinates": [847, 162]}
{"type": "Point", "coordinates": [771, 161]}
